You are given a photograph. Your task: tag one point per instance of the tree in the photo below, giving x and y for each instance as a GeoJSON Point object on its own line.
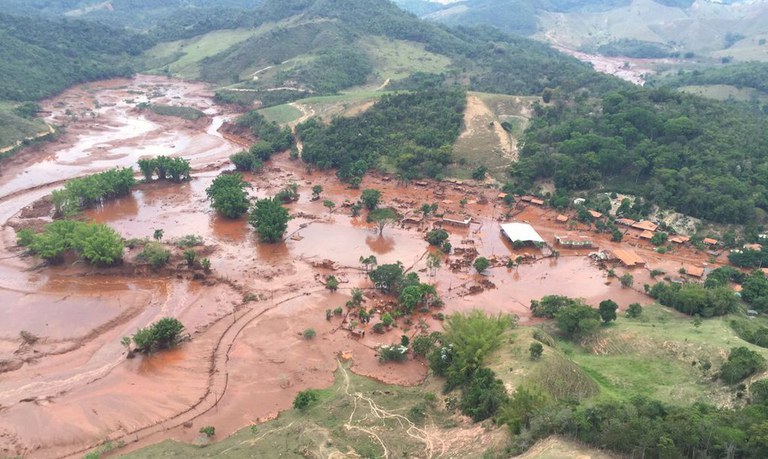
{"type": "Point", "coordinates": [382, 218]}
{"type": "Point", "coordinates": [163, 334]}
{"type": "Point", "coordinates": [437, 237]}
{"type": "Point", "coordinates": [484, 396]}
{"type": "Point", "coordinates": [270, 219]}
{"type": "Point", "coordinates": [607, 310]}
{"type": "Point", "coordinates": [304, 399]}
{"type": "Point", "coordinates": [331, 283]}
{"type": "Point", "coordinates": [228, 196]}
{"type": "Point", "coordinates": [330, 205]}
{"type": "Point", "coordinates": [370, 198]}
{"type": "Point", "coordinates": [577, 321]}
{"type": "Point", "coordinates": [316, 190]}
{"type": "Point", "coordinates": [742, 362]}
{"type": "Point", "coordinates": [627, 280]}
{"type": "Point", "coordinates": [433, 262]}
{"type": "Point", "coordinates": [634, 311]}
{"type": "Point", "coordinates": [481, 264]}
{"type": "Point", "coordinates": [536, 350]}
{"type": "Point", "coordinates": [189, 257]}
{"type": "Point", "coordinates": [309, 333]}
{"type": "Point", "coordinates": [388, 278]}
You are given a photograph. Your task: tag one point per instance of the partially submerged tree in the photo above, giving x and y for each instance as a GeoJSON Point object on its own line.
{"type": "Point", "coordinates": [382, 218]}
{"type": "Point", "coordinates": [270, 219]}
{"type": "Point", "coordinates": [228, 196]}
{"type": "Point", "coordinates": [163, 334]}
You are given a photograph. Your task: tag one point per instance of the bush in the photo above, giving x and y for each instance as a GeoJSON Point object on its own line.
{"type": "Point", "coordinates": [305, 398]}
{"type": "Point", "coordinates": [742, 362]}
{"type": "Point", "coordinates": [392, 353]}
{"type": "Point", "coordinates": [163, 334]}
{"type": "Point", "coordinates": [484, 395]}
{"type": "Point", "coordinates": [634, 311]}
{"type": "Point", "coordinates": [437, 237]}
{"type": "Point", "coordinates": [331, 283]}
{"type": "Point", "coordinates": [481, 264]}
{"type": "Point", "coordinates": [155, 254]}
{"type": "Point", "coordinates": [309, 333]}
{"type": "Point", "coordinates": [577, 321]}
{"type": "Point", "coordinates": [536, 350]}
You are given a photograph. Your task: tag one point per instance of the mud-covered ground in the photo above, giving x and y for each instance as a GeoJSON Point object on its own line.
{"type": "Point", "coordinates": [73, 387]}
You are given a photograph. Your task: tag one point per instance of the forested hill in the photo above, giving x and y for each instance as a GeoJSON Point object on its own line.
{"type": "Point", "coordinates": [40, 57]}
{"type": "Point", "coordinates": [304, 32]}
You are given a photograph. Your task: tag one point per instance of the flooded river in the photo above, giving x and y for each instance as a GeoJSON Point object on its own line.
{"type": "Point", "coordinates": [68, 385]}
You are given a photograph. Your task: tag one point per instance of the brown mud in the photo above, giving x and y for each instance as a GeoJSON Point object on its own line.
{"type": "Point", "coordinates": [66, 386]}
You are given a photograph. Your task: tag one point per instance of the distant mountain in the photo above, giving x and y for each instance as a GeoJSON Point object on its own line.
{"type": "Point", "coordinates": [717, 28]}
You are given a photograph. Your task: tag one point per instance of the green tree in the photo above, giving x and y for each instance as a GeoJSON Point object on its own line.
{"type": "Point", "coordinates": [388, 278]}
{"type": "Point", "coordinates": [382, 218]}
{"type": "Point", "coordinates": [228, 196]}
{"type": "Point", "coordinates": [330, 205]}
{"type": "Point", "coordinates": [437, 237]}
{"type": "Point", "coordinates": [163, 334]}
{"type": "Point", "coordinates": [742, 362]}
{"type": "Point", "coordinates": [331, 283]}
{"type": "Point", "coordinates": [577, 321]}
{"type": "Point", "coordinates": [305, 399]}
{"type": "Point", "coordinates": [481, 264]}
{"type": "Point", "coordinates": [607, 310]}
{"type": "Point", "coordinates": [270, 219]}
{"type": "Point", "coordinates": [316, 190]}
{"type": "Point", "coordinates": [484, 395]}
{"type": "Point", "coordinates": [370, 198]}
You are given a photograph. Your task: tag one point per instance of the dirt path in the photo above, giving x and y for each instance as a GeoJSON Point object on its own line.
{"type": "Point", "coordinates": [477, 116]}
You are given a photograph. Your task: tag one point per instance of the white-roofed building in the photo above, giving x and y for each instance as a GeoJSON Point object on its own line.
{"type": "Point", "coordinates": [522, 232]}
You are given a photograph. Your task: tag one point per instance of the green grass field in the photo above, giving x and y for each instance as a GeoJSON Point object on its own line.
{"type": "Point", "coordinates": [281, 114]}
{"type": "Point", "coordinates": [725, 92]}
{"type": "Point", "coordinates": [182, 57]}
{"type": "Point", "coordinates": [397, 59]}
{"type": "Point", "coordinates": [660, 355]}
{"type": "Point", "coordinates": [13, 128]}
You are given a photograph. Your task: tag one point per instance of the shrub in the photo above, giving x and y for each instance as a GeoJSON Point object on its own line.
{"type": "Point", "coordinates": [331, 283]}
{"type": "Point", "coordinates": [155, 254]}
{"type": "Point", "coordinates": [484, 396]}
{"type": "Point", "coordinates": [742, 362]}
{"type": "Point", "coordinates": [305, 398]}
{"type": "Point", "coordinates": [536, 350]}
{"type": "Point", "coordinates": [481, 264]}
{"type": "Point", "coordinates": [437, 237]}
{"type": "Point", "coordinates": [163, 334]}
{"type": "Point", "coordinates": [634, 311]}
{"type": "Point", "coordinates": [392, 353]}
{"type": "Point", "coordinates": [190, 240]}
{"type": "Point", "coordinates": [577, 321]}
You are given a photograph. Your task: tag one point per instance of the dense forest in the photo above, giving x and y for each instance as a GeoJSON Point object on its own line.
{"type": "Point", "coordinates": [700, 157]}
{"type": "Point", "coordinates": [412, 132]}
{"type": "Point", "coordinates": [40, 57]}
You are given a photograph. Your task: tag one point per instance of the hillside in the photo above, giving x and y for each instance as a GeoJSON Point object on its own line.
{"type": "Point", "coordinates": [685, 26]}
{"type": "Point", "coordinates": [40, 57]}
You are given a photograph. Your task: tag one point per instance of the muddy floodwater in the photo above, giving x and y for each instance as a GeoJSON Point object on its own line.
{"type": "Point", "coordinates": [65, 382]}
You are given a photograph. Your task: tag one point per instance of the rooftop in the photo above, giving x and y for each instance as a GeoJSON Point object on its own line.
{"type": "Point", "coordinates": [521, 232]}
